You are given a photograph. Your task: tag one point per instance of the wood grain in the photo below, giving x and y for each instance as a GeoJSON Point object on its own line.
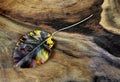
{"type": "Point", "coordinates": [85, 53]}
{"type": "Point", "coordinates": [111, 16]}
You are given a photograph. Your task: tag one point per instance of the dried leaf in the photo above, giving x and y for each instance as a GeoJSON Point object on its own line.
{"type": "Point", "coordinates": [33, 47]}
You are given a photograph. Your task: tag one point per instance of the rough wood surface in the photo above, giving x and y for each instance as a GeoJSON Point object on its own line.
{"type": "Point", "coordinates": [111, 16]}
{"type": "Point", "coordinates": [44, 11]}
{"type": "Point", "coordinates": [85, 53]}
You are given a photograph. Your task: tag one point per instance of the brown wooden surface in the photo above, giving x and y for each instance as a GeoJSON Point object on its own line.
{"type": "Point", "coordinates": [85, 53]}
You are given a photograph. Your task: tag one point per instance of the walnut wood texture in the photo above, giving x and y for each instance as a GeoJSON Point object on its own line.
{"type": "Point", "coordinates": [85, 53]}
